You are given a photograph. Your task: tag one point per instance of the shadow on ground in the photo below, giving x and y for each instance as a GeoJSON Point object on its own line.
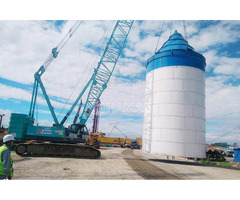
{"type": "Point", "coordinates": [177, 162]}
{"type": "Point", "coordinates": [190, 163]}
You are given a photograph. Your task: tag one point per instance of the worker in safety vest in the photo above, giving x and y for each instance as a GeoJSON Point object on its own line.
{"type": "Point", "coordinates": [6, 163]}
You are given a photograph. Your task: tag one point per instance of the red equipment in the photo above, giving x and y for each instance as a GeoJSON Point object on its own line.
{"type": "Point", "coordinates": [96, 117]}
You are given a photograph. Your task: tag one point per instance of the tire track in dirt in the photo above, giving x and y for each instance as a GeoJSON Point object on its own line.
{"type": "Point", "coordinates": [145, 169]}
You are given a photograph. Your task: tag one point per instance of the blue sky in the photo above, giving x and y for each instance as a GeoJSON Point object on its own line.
{"type": "Point", "coordinates": [25, 45]}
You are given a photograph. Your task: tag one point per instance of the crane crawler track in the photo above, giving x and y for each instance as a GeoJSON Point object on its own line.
{"type": "Point", "coordinates": [57, 149]}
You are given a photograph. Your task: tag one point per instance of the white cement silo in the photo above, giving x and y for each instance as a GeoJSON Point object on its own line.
{"type": "Point", "coordinates": [174, 115]}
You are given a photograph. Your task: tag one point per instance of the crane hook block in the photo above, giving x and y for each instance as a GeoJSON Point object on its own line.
{"type": "Point", "coordinates": [54, 52]}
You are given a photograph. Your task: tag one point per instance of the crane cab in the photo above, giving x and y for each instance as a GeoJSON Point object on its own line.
{"type": "Point", "coordinates": [78, 131]}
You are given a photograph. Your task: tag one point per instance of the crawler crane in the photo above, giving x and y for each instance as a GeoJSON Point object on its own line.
{"type": "Point", "coordinates": [58, 139]}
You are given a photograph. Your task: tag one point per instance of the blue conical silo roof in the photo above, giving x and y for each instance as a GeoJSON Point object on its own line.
{"type": "Point", "coordinates": [176, 52]}
{"type": "Point", "coordinates": [175, 41]}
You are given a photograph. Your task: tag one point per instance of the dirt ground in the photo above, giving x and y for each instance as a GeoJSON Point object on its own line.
{"type": "Point", "coordinates": [117, 164]}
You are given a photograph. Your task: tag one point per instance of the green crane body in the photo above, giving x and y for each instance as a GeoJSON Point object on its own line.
{"type": "Point", "coordinates": [22, 125]}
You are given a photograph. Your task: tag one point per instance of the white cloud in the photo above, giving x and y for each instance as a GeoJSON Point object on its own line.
{"type": "Point", "coordinates": [15, 93]}
{"type": "Point", "coordinates": [221, 33]}
{"type": "Point", "coordinates": [146, 45]}
{"type": "Point", "coordinates": [23, 49]}
{"type": "Point", "coordinates": [222, 107]}
{"type": "Point", "coordinates": [64, 73]}
{"type": "Point", "coordinates": [228, 66]}
{"type": "Point", "coordinates": [124, 92]}
{"type": "Point", "coordinates": [26, 45]}
{"type": "Point", "coordinates": [222, 65]}
{"type": "Point", "coordinates": [211, 59]}
{"type": "Point", "coordinates": [143, 46]}
{"type": "Point", "coordinates": [129, 67]}
{"type": "Point", "coordinates": [6, 117]}
{"type": "Point", "coordinates": [130, 128]}
{"type": "Point", "coordinates": [221, 98]}
{"type": "Point", "coordinates": [8, 92]}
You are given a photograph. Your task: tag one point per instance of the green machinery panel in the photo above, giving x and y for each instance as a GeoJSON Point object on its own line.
{"type": "Point", "coordinates": [43, 131]}
{"type": "Point", "coordinates": [18, 125]}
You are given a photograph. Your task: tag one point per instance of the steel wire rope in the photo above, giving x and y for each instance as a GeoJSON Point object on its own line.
{"type": "Point", "coordinates": [87, 66]}
{"type": "Point", "coordinates": [94, 63]}
{"type": "Point", "coordinates": [62, 43]}
{"type": "Point", "coordinates": [233, 149]}
{"type": "Point", "coordinates": [93, 54]}
{"type": "Point", "coordinates": [171, 27]}
{"type": "Point", "coordinates": [72, 30]}
{"type": "Point", "coordinates": [185, 30]}
{"type": "Point", "coordinates": [238, 127]}
{"type": "Point", "coordinates": [112, 129]}
{"type": "Point", "coordinates": [36, 111]}
{"type": "Point", "coordinates": [100, 44]}
{"type": "Point", "coordinates": [236, 137]}
{"type": "Point", "coordinates": [159, 37]}
{"type": "Point", "coordinates": [59, 48]}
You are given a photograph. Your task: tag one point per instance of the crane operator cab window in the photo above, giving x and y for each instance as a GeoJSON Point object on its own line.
{"type": "Point", "coordinates": [83, 131]}
{"type": "Point", "coordinates": [80, 130]}
{"type": "Point", "coordinates": [74, 128]}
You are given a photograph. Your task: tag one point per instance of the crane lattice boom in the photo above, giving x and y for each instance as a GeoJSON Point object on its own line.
{"type": "Point", "coordinates": [106, 66]}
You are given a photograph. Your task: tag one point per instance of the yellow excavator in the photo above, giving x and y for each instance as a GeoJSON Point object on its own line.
{"type": "Point", "coordinates": [93, 139]}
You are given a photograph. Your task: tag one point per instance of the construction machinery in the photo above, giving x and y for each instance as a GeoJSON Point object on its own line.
{"type": "Point", "coordinates": [58, 139]}
{"type": "Point", "coordinates": [135, 144]}
{"type": "Point", "coordinates": [139, 139]}
{"type": "Point", "coordinates": [77, 114]}
{"type": "Point", "coordinates": [93, 139]}
{"type": "Point", "coordinates": [96, 117]}
{"type": "Point", "coordinates": [114, 141]}
{"type": "Point", "coordinates": [118, 141]}
{"type": "Point", "coordinates": [3, 131]}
